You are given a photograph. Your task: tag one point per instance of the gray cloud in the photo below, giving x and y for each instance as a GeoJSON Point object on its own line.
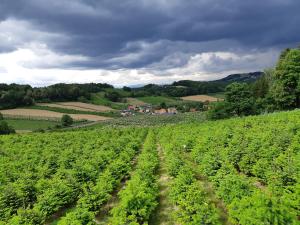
{"type": "Point", "coordinates": [149, 34]}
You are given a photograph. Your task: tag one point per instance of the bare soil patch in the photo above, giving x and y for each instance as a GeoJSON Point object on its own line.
{"type": "Point", "coordinates": [201, 98]}
{"type": "Point", "coordinates": [96, 108]}
{"type": "Point", "coordinates": [45, 114]}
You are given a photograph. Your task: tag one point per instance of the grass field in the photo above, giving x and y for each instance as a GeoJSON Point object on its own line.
{"type": "Point", "coordinates": [30, 125]}
{"type": "Point", "coordinates": [99, 99]}
{"type": "Point", "coordinates": [156, 100]}
{"type": "Point", "coordinates": [217, 95]}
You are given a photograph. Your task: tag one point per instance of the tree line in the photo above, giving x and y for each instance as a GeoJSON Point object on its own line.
{"type": "Point", "coordinates": [278, 89]}
{"type": "Point", "coordinates": [14, 95]}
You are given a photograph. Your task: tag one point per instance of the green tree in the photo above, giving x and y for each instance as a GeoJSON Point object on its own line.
{"type": "Point", "coordinates": [1, 116]}
{"type": "Point", "coordinates": [5, 129]}
{"type": "Point", "coordinates": [240, 98]}
{"type": "Point", "coordinates": [286, 88]}
{"type": "Point", "coordinates": [262, 85]}
{"type": "Point", "coordinates": [66, 120]}
{"type": "Point", "coordinates": [113, 96]}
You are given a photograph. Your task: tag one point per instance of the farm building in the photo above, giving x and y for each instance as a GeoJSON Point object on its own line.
{"type": "Point", "coordinates": [172, 110]}
{"type": "Point", "coordinates": [160, 111]}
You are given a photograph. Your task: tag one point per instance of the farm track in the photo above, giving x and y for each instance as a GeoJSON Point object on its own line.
{"type": "Point", "coordinates": [103, 216]}
{"type": "Point", "coordinates": [163, 213]}
{"type": "Point", "coordinates": [209, 190]}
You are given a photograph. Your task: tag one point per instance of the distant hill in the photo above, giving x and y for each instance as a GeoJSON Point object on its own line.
{"type": "Point", "coordinates": [242, 77]}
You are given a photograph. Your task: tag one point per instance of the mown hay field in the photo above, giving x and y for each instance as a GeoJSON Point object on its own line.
{"type": "Point", "coordinates": [78, 106]}
{"type": "Point", "coordinates": [201, 98]}
{"type": "Point", "coordinates": [45, 114]}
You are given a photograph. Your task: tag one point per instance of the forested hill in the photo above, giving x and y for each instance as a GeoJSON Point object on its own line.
{"type": "Point", "coordinates": [242, 77]}
{"type": "Point", "coordinates": [15, 95]}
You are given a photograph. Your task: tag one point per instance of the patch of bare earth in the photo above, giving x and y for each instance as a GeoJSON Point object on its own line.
{"type": "Point", "coordinates": [64, 107]}
{"type": "Point", "coordinates": [103, 216]}
{"type": "Point", "coordinates": [47, 115]}
{"type": "Point", "coordinates": [165, 209]}
{"type": "Point", "coordinates": [209, 191]}
{"type": "Point", "coordinates": [96, 108]}
{"type": "Point", "coordinates": [201, 98]}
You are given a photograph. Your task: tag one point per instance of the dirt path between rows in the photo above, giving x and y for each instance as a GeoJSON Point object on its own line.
{"type": "Point", "coordinates": [103, 216]}
{"type": "Point", "coordinates": [209, 190]}
{"type": "Point", "coordinates": [163, 213]}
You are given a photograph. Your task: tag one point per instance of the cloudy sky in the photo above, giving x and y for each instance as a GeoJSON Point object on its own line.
{"type": "Point", "coordinates": [128, 42]}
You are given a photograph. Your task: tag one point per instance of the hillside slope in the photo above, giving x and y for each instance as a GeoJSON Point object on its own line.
{"type": "Point", "coordinates": [238, 171]}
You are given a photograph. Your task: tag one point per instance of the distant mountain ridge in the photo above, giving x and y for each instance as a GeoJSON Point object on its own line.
{"type": "Point", "coordinates": [242, 77]}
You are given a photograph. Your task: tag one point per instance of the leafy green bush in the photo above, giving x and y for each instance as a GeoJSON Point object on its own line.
{"type": "Point", "coordinates": [66, 120]}
{"type": "Point", "coordinates": [5, 129]}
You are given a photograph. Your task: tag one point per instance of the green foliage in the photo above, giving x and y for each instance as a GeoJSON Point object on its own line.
{"type": "Point", "coordinates": [260, 208]}
{"type": "Point", "coordinates": [5, 128]}
{"type": "Point", "coordinates": [1, 116]}
{"type": "Point", "coordinates": [252, 162]}
{"type": "Point", "coordinates": [286, 88]}
{"type": "Point", "coordinates": [138, 199]}
{"type": "Point", "coordinates": [113, 96]}
{"type": "Point", "coordinates": [86, 169]}
{"type": "Point", "coordinates": [66, 120]}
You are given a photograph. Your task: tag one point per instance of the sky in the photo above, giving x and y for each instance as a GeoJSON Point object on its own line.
{"type": "Point", "coordinates": [133, 42]}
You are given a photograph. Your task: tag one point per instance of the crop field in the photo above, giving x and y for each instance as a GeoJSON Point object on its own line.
{"type": "Point", "coordinates": [85, 106]}
{"type": "Point", "coordinates": [154, 120]}
{"type": "Point", "coordinates": [45, 114]}
{"type": "Point", "coordinates": [242, 171]}
{"type": "Point", "coordinates": [201, 98]}
{"type": "Point", "coordinates": [78, 106]}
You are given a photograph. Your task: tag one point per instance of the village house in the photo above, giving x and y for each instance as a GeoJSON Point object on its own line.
{"type": "Point", "coordinates": [131, 107]}
{"type": "Point", "coordinates": [172, 110]}
{"type": "Point", "coordinates": [160, 111]}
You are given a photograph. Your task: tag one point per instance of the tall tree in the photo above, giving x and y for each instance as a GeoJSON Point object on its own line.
{"type": "Point", "coordinates": [286, 88]}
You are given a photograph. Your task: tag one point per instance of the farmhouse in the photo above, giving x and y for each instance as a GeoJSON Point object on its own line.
{"type": "Point", "coordinates": [160, 111]}
{"type": "Point", "coordinates": [172, 110]}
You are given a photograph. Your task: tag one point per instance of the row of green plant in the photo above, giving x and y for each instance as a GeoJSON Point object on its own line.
{"type": "Point", "coordinates": [139, 198]}
{"type": "Point", "coordinates": [95, 195]}
{"type": "Point", "coordinates": [43, 173]}
{"type": "Point", "coordinates": [253, 164]}
{"type": "Point", "coordinates": [191, 202]}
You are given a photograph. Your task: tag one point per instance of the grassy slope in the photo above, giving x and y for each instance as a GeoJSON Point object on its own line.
{"type": "Point", "coordinates": [20, 124]}
{"type": "Point", "coordinates": [156, 100]}
{"type": "Point", "coordinates": [99, 99]}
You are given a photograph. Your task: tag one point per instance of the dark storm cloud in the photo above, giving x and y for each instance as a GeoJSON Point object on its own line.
{"type": "Point", "coordinates": [140, 33]}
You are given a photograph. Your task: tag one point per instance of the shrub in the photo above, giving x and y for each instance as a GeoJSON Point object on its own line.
{"type": "Point", "coordinates": [66, 120]}
{"type": "Point", "coordinates": [5, 129]}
